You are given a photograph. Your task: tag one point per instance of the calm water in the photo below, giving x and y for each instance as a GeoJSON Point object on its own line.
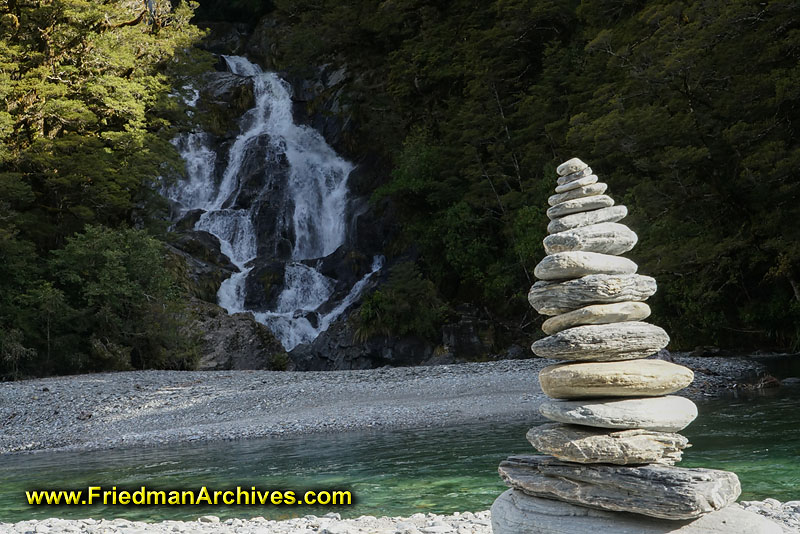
{"type": "Point", "coordinates": [393, 472]}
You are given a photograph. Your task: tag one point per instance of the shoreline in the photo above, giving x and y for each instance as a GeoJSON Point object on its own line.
{"type": "Point", "coordinates": [785, 515]}
{"type": "Point", "coordinates": [153, 408]}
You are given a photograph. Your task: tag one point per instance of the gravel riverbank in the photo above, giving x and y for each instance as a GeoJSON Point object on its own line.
{"type": "Point", "coordinates": [144, 408]}
{"type": "Point", "coordinates": [787, 515]}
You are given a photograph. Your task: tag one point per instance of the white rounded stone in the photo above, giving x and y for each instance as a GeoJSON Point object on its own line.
{"type": "Point", "coordinates": [586, 218]}
{"type": "Point", "coordinates": [570, 166]}
{"type": "Point", "coordinates": [663, 414]}
{"type": "Point", "coordinates": [587, 445]}
{"type": "Point", "coordinates": [578, 205]}
{"type": "Point", "coordinates": [575, 184]}
{"type": "Point", "coordinates": [567, 265]}
{"type": "Point", "coordinates": [633, 378]}
{"type": "Point", "coordinates": [617, 312]}
{"type": "Point", "coordinates": [607, 238]}
{"type": "Point", "coordinates": [586, 191]}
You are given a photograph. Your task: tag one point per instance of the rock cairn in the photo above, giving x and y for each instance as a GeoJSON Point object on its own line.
{"type": "Point", "coordinates": [609, 454]}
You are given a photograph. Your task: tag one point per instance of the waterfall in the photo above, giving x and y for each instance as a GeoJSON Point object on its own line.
{"type": "Point", "coordinates": [314, 213]}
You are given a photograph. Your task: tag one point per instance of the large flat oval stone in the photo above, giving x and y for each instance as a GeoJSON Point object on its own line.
{"type": "Point", "coordinates": [576, 220]}
{"type": "Point", "coordinates": [555, 298]}
{"type": "Point", "coordinates": [617, 312]}
{"type": "Point", "coordinates": [653, 490]}
{"type": "Point", "coordinates": [606, 238]}
{"type": "Point", "coordinates": [514, 512]}
{"type": "Point", "coordinates": [570, 166]}
{"type": "Point", "coordinates": [663, 414]}
{"type": "Point", "coordinates": [587, 445]}
{"type": "Point", "coordinates": [586, 191]}
{"type": "Point", "coordinates": [578, 205]}
{"type": "Point", "coordinates": [566, 265]}
{"type": "Point", "coordinates": [602, 343]}
{"type": "Point", "coordinates": [634, 378]}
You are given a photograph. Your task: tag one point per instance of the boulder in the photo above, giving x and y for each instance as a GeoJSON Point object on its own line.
{"type": "Point", "coordinates": [575, 184]}
{"type": "Point", "coordinates": [576, 220]}
{"type": "Point", "coordinates": [587, 445]}
{"type": "Point", "coordinates": [234, 341]}
{"type": "Point", "coordinates": [606, 238]}
{"type": "Point", "coordinates": [517, 513]}
{"type": "Point", "coordinates": [566, 265]}
{"type": "Point", "coordinates": [597, 314]}
{"type": "Point", "coordinates": [660, 491]}
{"type": "Point", "coordinates": [636, 378]}
{"type": "Point", "coordinates": [586, 191]}
{"type": "Point", "coordinates": [663, 414]}
{"type": "Point", "coordinates": [571, 166]}
{"type": "Point", "coordinates": [555, 298]}
{"type": "Point", "coordinates": [605, 342]}
{"type": "Point", "coordinates": [578, 205]}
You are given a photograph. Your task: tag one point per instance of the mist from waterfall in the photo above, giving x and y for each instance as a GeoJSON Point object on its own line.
{"type": "Point", "coordinates": [317, 188]}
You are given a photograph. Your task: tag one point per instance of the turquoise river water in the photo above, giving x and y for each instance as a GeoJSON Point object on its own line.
{"type": "Point", "coordinates": [391, 472]}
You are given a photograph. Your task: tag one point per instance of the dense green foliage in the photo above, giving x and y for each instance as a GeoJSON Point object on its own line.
{"type": "Point", "coordinates": [85, 131]}
{"type": "Point", "coordinates": [407, 304]}
{"type": "Point", "coordinates": [689, 110]}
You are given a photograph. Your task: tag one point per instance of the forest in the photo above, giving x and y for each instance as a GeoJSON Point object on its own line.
{"type": "Point", "coordinates": [689, 111]}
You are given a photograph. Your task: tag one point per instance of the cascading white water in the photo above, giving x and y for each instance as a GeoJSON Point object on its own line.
{"type": "Point", "coordinates": [317, 187]}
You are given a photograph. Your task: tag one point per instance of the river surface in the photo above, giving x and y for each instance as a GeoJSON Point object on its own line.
{"type": "Point", "coordinates": [392, 472]}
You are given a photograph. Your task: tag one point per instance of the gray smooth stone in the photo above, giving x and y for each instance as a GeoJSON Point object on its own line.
{"type": "Point", "coordinates": [632, 378]}
{"type": "Point", "coordinates": [514, 512]}
{"type": "Point", "coordinates": [570, 166]}
{"type": "Point", "coordinates": [606, 238]}
{"type": "Point", "coordinates": [575, 184]}
{"type": "Point", "coordinates": [585, 218]}
{"type": "Point", "coordinates": [586, 191]}
{"type": "Point", "coordinates": [653, 490]}
{"type": "Point", "coordinates": [617, 312]}
{"type": "Point", "coordinates": [566, 265]}
{"type": "Point", "coordinates": [663, 414]}
{"type": "Point", "coordinates": [578, 205]}
{"type": "Point", "coordinates": [587, 445]}
{"type": "Point", "coordinates": [555, 298]}
{"type": "Point", "coordinates": [567, 178]}
{"type": "Point", "coordinates": [603, 343]}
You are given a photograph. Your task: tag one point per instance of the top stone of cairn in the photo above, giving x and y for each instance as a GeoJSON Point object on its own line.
{"type": "Point", "coordinates": [571, 166]}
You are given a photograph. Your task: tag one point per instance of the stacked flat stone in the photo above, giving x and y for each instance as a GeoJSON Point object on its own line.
{"type": "Point", "coordinates": [614, 438]}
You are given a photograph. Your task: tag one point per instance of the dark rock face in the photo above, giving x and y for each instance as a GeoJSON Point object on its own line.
{"type": "Point", "coordinates": [187, 221]}
{"type": "Point", "coordinates": [337, 349]}
{"type": "Point", "coordinates": [224, 97]}
{"type": "Point", "coordinates": [225, 37]}
{"type": "Point", "coordinates": [469, 338]}
{"type": "Point", "coordinates": [205, 247]}
{"type": "Point", "coordinates": [345, 265]}
{"type": "Point", "coordinates": [235, 341]}
{"type": "Point", "coordinates": [261, 45]}
{"type": "Point", "coordinates": [264, 284]}
{"type": "Point", "coordinates": [204, 265]}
